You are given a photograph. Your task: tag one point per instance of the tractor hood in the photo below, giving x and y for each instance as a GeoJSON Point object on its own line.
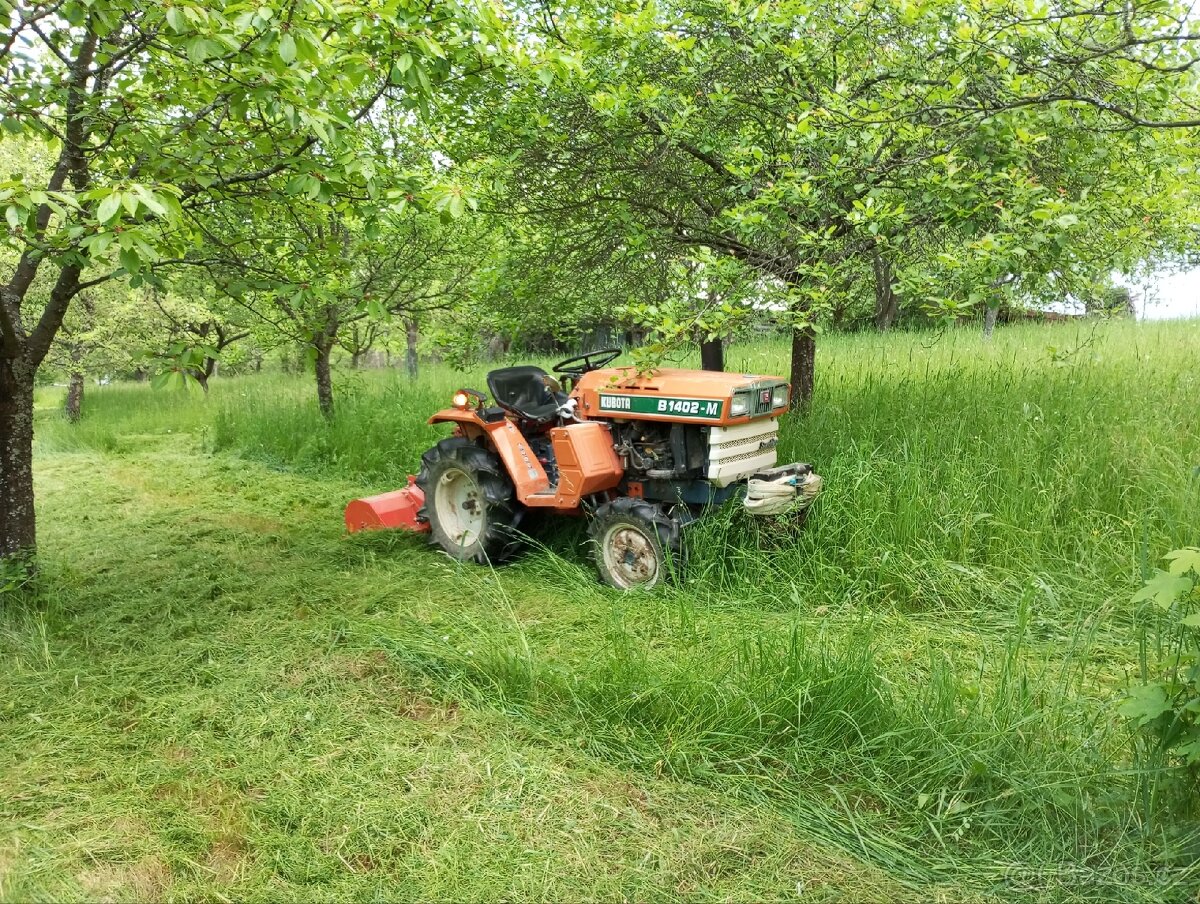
{"type": "Point", "coordinates": [673, 394]}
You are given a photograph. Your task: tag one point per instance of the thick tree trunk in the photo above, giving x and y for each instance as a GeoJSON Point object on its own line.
{"type": "Point", "coordinates": [989, 322]}
{"type": "Point", "coordinates": [324, 379]}
{"type": "Point", "coordinates": [712, 354]}
{"type": "Point", "coordinates": [18, 534]}
{"type": "Point", "coordinates": [804, 361]}
{"type": "Point", "coordinates": [412, 336]}
{"type": "Point", "coordinates": [887, 306]}
{"type": "Point", "coordinates": [74, 406]}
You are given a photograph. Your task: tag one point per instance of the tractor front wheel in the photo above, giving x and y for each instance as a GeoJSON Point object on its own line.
{"type": "Point", "coordinates": [469, 502]}
{"type": "Point", "coordinates": [637, 544]}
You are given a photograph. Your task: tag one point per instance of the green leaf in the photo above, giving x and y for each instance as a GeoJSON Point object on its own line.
{"type": "Point", "coordinates": [1163, 589]}
{"type": "Point", "coordinates": [108, 207]}
{"type": "Point", "coordinates": [1189, 748]}
{"type": "Point", "coordinates": [1145, 703]}
{"type": "Point", "coordinates": [176, 19]}
{"type": "Point", "coordinates": [150, 200]}
{"type": "Point", "coordinates": [198, 50]}
{"type": "Point", "coordinates": [1184, 560]}
{"type": "Point", "coordinates": [130, 260]}
{"type": "Point", "coordinates": [423, 78]}
{"type": "Point", "coordinates": [287, 49]}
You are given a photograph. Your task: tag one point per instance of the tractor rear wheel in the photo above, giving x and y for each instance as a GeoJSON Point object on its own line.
{"type": "Point", "coordinates": [469, 502]}
{"type": "Point", "coordinates": [637, 544]}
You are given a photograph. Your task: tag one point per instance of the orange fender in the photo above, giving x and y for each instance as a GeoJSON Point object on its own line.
{"type": "Point", "coordinates": [527, 473]}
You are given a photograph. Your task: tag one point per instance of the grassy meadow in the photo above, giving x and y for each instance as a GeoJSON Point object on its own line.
{"type": "Point", "coordinates": [217, 693]}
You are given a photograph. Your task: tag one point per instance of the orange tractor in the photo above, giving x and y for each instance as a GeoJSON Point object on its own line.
{"type": "Point", "coordinates": [641, 455]}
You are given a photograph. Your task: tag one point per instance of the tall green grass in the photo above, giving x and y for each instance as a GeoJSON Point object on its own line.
{"type": "Point", "coordinates": [925, 675]}
{"type": "Point", "coordinates": [1061, 457]}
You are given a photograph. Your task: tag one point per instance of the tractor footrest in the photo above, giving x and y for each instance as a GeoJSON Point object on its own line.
{"type": "Point", "coordinates": [396, 510]}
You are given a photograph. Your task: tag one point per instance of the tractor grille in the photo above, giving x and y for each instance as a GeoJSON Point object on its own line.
{"type": "Point", "coordinates": [749, 443]}
{"type": "Point", "coordinates": [746, 456]}
{"type": "Point", "coordinates": [735, 453]}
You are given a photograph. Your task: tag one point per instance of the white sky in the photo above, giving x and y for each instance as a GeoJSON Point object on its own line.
{"type": "Point", "coordinates": [1169, 295]}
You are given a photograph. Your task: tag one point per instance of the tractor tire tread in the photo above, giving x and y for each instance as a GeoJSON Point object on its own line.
{"type": "Point", "coordinates": [500, 539]}
{"type": "Point", "coordinates": [667, 530]}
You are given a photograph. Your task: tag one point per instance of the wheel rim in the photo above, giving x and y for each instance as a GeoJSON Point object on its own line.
{"type": "Point", "coordinates": [630, 556]}
{"type": "Point", "coordinates": [459, 507]}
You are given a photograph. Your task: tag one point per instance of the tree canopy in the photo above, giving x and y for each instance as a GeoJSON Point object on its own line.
{"type": "Point", "coordinates": [311, 172]}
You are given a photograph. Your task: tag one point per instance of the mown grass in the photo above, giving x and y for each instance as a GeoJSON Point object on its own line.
{"type": "Point", "coordinates": [915, 694]}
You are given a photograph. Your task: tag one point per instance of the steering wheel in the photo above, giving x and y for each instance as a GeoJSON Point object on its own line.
{"type": "Point", "coordinates": [579, 365]}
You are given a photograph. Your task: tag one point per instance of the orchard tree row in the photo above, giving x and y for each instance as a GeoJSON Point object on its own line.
{"type": "Point", "coordinates": [186, 183]}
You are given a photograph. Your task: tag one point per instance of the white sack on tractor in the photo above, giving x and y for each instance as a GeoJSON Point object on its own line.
{"type": "Point", "coordinates": [781, 495]}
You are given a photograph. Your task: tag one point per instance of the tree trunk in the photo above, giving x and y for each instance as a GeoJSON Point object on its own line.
{"type": "Point", "coordinates": [989, 322]}
{"type": "Point", "coordinates": [18, 535]}
{"type": "Point", "coordinates": [412, 335]}
{"type": "Point", "coordinates": [75, 397]}
{"type": "Point", "coordinates": [887, 307]}
{"type": "Point", "coordinates": [324, 379]}
{"type": "Point", "coordinates": [804, 360]}
{"type": "Point", "coordinates": [355, 360]}
{"type": "Point", "coordinates": [712, 354]}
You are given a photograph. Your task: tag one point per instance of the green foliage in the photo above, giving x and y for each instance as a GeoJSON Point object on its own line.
{"type": "Point", "coordinates": [173, 111]}
{"type": "Point", "coordinates": [1166, 709]}
{"type": "Point", "coordinates": [968, 146]}
{"type": "Point", "coordinates": [179, 366]}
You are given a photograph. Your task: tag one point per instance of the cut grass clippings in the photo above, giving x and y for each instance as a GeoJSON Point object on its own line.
{"type": "Point", "coordinates": [219, 694]}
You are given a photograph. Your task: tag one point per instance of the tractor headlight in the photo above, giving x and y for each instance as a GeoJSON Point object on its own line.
{"type": "Point", "coordinates": [740, 405]}
{"type": "Point", "coordinates": [461, 398]}
{"type": "Point", "coordinates": [779, 396]}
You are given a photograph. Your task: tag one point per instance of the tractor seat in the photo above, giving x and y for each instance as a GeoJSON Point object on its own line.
{"type": "Point", "coordinates": [523, 391]}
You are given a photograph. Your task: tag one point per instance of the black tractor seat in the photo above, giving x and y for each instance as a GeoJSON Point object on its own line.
{"type": "Point", "coordinates": [524, 392]}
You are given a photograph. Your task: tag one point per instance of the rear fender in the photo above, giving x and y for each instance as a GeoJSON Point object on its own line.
{"type": "Point", "coordinates": [458, 415]}
{"type": "Point", "coordinates": [527, 474]}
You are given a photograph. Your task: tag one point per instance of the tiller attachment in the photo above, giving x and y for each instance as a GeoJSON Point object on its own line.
{"type": "Point", "coordinates": [396, 509]}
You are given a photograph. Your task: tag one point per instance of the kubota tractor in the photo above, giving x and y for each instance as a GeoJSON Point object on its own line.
{"type": "Point", "coordinates": [640, 455]}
